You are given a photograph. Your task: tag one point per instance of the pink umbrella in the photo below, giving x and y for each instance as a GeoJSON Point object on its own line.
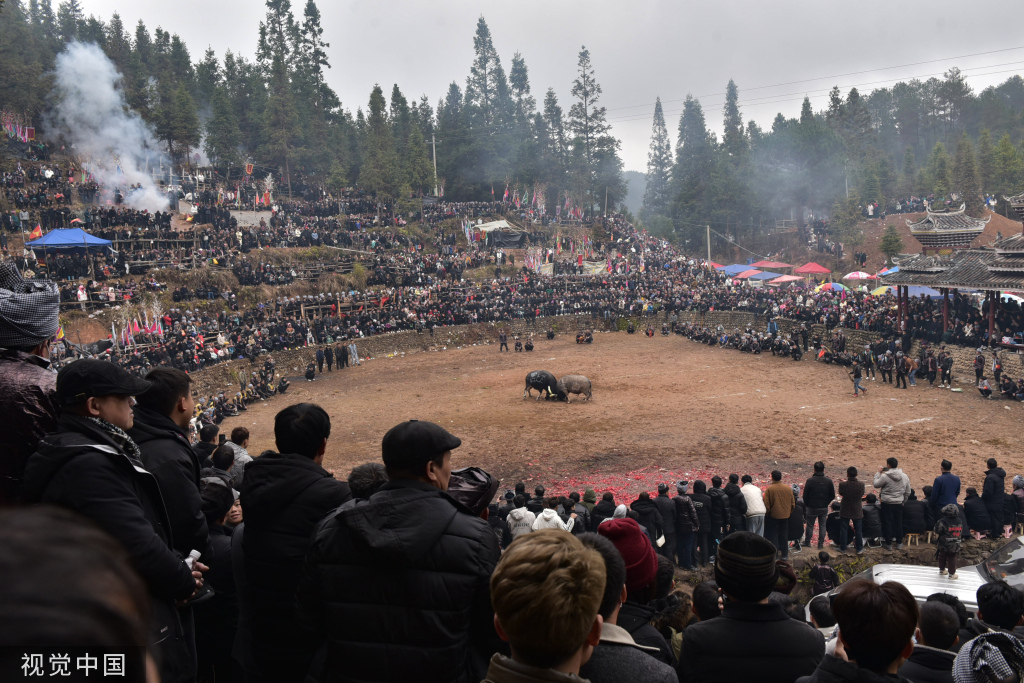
{"type": "Point", "coordinates": [859, 275]}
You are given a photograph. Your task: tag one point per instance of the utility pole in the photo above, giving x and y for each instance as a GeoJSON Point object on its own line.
{"type": "Point", "coordinates": [846, 177]}
{"type": "Point", "coordinates": [433, 146]}
{"type": "Point", "coordinates": [709, 242]}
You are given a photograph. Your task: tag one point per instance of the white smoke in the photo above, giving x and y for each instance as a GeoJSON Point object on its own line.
{"type": "Point", "coordinates": [91, 113]}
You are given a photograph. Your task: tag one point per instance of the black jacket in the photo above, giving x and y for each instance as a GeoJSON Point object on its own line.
{"type": "Point", "coordinates": [686, 514]}
{"type": "Point", "coordinates": [636, 619]}
{"type": "Point", "coordinates": [977, 514]}
{"type": "Point", "coordinates": [668, 513]}
{"type": "Point", "coordinates": [995, 488]}
{"type": "Point", "coordinates": [217, 617]}
{"type": "Point", "coordinates": [796, 521]}
{"type": "Point", "coordinates": [702, 503]}
{"type": "Point", "coordinates": [536, 504]}
{"type": "Point", "coordinates": [203, 451]}
{"type": "Point", "coordinates": [819, 491]}
{"type": "Point", "coordinates": [872, 524]}
{"type": "Point", "coordinates": [602, 511]}
{"type": "Point", "coordinates": [915, 517]}
{"type": "Point", "coordinates": [737, 507]}
{"type": "Point", "coordinates": [650, 518]}
{"type": "Point", "coordinates": [929, 665]}
{"type": "Point", "coordinates": [285, 496]}
{"type": "Point", "coordinates": [835, 670]}
{"type": "Point", "coordinates": [83, 468]}
{"type": "Point", "coordinates": [397, 589]}
{"type": "Point", "coordinates": [750, 642]}
{"type": "Point", "coordinates": [169, 457]}
{"type": "Point", "coordinates": [719, 509]}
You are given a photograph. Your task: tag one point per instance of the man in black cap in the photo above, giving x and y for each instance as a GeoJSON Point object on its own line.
{"type": "Point", "coordinates": [753, 639]}
{"type": "Point", "coordinates": [91, 465]}
{"type": "Point", "coordinates": [411, 552]}
{"type": "Point", "coordinates": [28, 407]}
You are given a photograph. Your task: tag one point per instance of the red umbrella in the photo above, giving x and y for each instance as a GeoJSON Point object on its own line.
{"type": "Point", "coordinates": [75, 220]}
{"type": "Point", "coordinates": [811, 269]}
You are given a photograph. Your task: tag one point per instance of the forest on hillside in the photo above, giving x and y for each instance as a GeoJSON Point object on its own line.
{"type": "Point", "coordinates": [493, 130]}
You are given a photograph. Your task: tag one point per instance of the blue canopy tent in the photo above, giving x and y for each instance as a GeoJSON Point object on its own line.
{"type": "Point", "coordinates": [764, 276]}
{"type": "Point", "coordinates": [735, 269]}
{"type": "Point", "coordinates": [69, 238]}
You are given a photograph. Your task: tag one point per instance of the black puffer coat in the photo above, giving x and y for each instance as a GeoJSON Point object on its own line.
{"type": "Point", "coordinates": [650, 518]}
{"type": "Point", "coordinates": [719, 509]}
{"type": "Point", "coordinates": [398, 587]}
{"type": "Point", "coordinates": [668, 513]}
{"type": "Point", "coordinates": [737, 507]}
{"type": "Point", "coordinates": [915, 516]}
{"type": "Point", "coordinates": [686, 514]}
{"type": "Point", "coordinates": [83, 468]}
{"type": "Point", "coordinates": [285, 496]}
{"type": "Point", "coordinates": [872, 524]}
{"type": "Point", "coordinates": [702, 503]}
{"type": "Point", "coordinates": [977, 514]}
{"type": "Point", "coordinates": [602, 511]}
{"type": "Point", "coordinates": [169, 457]}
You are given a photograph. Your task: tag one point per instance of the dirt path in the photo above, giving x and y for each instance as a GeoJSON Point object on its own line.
{"type": "Point", "coordinates": [663, 409]}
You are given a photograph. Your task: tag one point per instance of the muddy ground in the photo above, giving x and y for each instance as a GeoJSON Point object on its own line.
{"type": "Point", "coordinates": [663, 408]}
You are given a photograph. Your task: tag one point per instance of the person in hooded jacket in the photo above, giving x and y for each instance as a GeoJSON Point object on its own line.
{"type": "Point", "coordinates": [994, 494]}
{"type": "Point", "coordinates": [719, 512]}
{"type": "Point", "coordinates": [872, 512]}
{"type": "Point", "coordinates": [737, 504]}
{"type": "Point", "coordinates": [915, 515]}
{"type": "Point", "coordinates": [550, 519]}
{"type": "Point", "coordinates": [978, 520]}
{"type": "Point", "coordinates": [796, 521]}
{"type": "Point", "coordinates": [702, 549]}
{"type": "Point", "coordinates": [520, 520]}
{"type": "Point", "coordinates": [650, 517]}
{"type": "Point", "coordinates": [91, 466]}
{"type": "Point", "coordinates": [410, 551]}
{"type": "Point", "coordinates": [893, 490]}
{"type": "Point", "coordinates": [162, 415]}
{"type": "Point", "coordinates": [217, 617]}
{"type": "Point", "coordinates": [687, 525]}
{"type": "Point", "coordinates": [285, 495]}
{"type": "Point", "coordinates": [667, 509]}
{"type": "Point", "coordinates": [605, 509]}
{"type": "Point", "coordinates": [589, 499]}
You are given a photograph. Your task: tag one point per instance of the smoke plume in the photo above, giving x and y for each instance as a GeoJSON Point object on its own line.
{"type": "Point", "coordinates": [91, 114]}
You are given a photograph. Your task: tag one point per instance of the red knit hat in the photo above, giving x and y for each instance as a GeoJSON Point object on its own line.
{"type": "Point", "coordinates": [636, 550]}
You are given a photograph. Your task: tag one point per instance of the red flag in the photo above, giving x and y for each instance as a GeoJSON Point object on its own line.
{"type": "Point", "coordinates": [36, 234]}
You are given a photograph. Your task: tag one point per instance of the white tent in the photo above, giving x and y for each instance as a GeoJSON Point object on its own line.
{"type": "Point", "coordinates": [494, 225]}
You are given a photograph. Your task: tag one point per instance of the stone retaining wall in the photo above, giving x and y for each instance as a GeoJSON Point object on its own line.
{"type": "Point", "coordinates": [223, 377]}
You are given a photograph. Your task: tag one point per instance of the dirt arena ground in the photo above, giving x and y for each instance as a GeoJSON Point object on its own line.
{"type": "Point", "coordinates": [663, 409]}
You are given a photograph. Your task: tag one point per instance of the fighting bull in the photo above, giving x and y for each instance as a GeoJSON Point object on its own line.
{"type": "Point", "coordinates": [573, 384]}
{"type": "Point", "coordinates": [543, 381]}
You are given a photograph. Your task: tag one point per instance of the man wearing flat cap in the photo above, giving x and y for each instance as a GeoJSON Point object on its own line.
{"type": "Point", "coordinates": [753, 639]}
{"type": "Point", "coordinates": [397, 586]}
{"type": "Point", "coordinates": [28, 408]}
{"type": "Point", "coordinates": [91, 466]}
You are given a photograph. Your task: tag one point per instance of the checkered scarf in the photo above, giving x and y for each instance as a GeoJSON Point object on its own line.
{"type": "Point", "coordinates": [28, 309]}
{"type": "Point", "coordinates": [993, 657]}
{"type": "Point", "coordinates": [131, 449]}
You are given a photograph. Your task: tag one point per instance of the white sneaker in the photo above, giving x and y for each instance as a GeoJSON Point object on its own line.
{"type": "Point", "coordinates": [954, 576]}
{"type": "Point", "coordinates": [942, 572]}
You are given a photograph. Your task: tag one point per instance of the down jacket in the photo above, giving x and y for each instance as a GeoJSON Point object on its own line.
{"type": "Point", "coordinates": [285, 496]}
{"type": "Point", "coordinates": [83, 468]}
{"type": "Point", "coordinates": [397, 588]}
{"type": "Point", "coordinates": [737, 507]}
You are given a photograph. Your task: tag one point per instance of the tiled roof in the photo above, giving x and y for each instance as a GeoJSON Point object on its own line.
{"type": "Point", "coordinates": [953, 228]}
{"type": "Point", "coordinates": [1013, 244]}
{"type": "Point", "coordinates": [964, 269]}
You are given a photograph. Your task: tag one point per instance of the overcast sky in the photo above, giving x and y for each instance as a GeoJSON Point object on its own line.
{"type": "Point", "coordinates": [776, 51]}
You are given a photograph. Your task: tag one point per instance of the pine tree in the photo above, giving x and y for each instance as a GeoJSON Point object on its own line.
{"type": "Point", "coordinates": [965, 178]}
{"type": "Point", "coordinates": [69, 19]}
{"type": "Point", "coordinates": [986, 161]}
{"type": "Point", "coordinates": [597, 168]}
{"type": "Point", "coordinates": [223, 138]}
{"type": "Point", "coordinates": [1009, 168]}
{"type": "Point", "coordinates": [692, 176]}
{"type": "Point", "coordinates": [806, 114]}
{"type": "Point", "coordinates": [482, 85]}
{"type": "Point", "coordinates": [279, 119]}
{"type": "Point", "coordinates": [892, 243]}
{"type": "Point", "coordinates": [733, 140]}
{"type": "Point", "coordinates": [379, 173]}
{"type": "Point", "coordinates": [419, 171]}
{"type": "Point", "coordinates": [659, 167]}
{"type": "Point", "coordinates": [519, 81]}
{"type": "Point", "coordinates": [939, 172]}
